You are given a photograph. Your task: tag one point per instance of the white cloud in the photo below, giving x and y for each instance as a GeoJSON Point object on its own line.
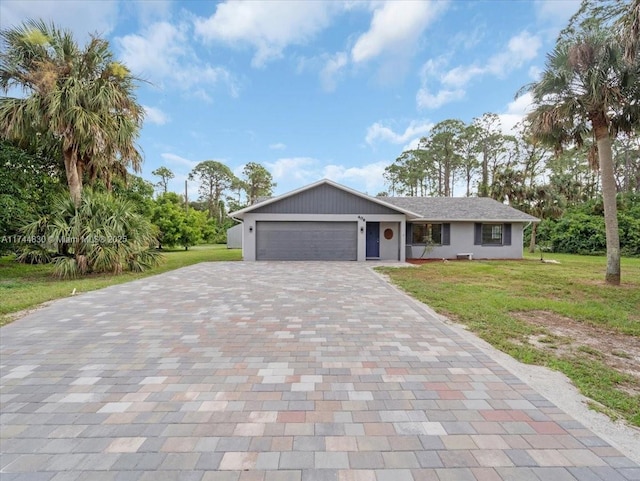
{"type": "Point", "coordinates": [415, 130]}
{"type": "Point", "coordinates": [332, 69]}
{"type": "Point", "coordinates": [450, 85]}
{"type": "Point", "coordinates": [269, 27]}
{"type": "Point", "coordinates": [520, 49]}
{"type": "Point", "coordinates": [461, 75]}
{"type": "Point", "coordinates": [156, 51]}
{"type": "Point", "coordinates": [301, 169]}
{"type": "Point", "coordinates": [367, 178]}
{"type": "Point", "coordinates": [80, 17]}
{"type": "Point", "coordinates": [151, 10]}
{"type": "Point", "coordinates": [393, 35]}
{"type": "Point", "coordinates": [177, 160]}
{"type": "Point", "coordinates": [516, 111]}
{"type": "Point", "coordinates": [161, 53]}
{"type": "Point", "coordinates": [427, 100]}
{"type": "Point", "coordinates": [396, 25]}
{"type": "Point", "coordinates": [433, 71]}
{"type": "Point", "coordinates": [155, 115]}
{"type": "Point", "coordinates": [277, 146]}
{"type": "Point", "coordinates": [294, 172]}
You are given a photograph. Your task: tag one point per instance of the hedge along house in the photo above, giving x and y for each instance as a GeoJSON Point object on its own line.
{"type": "Point", "coordinates": [328, 221]}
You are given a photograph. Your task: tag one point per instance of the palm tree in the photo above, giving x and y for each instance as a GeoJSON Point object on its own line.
{"type": "Point", "coordinates": [588, 90]}
{"type": "Point", "coordinates": [79, 100]}
{"type": "Point", "coordinates": [103, 234]}
{"type": "Point", "coordinates": [621, 16]}
{"type": "Point", "coordinates": [629, 24]}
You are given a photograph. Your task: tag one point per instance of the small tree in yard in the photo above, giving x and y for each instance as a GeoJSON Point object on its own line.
{"type": "Point", "coordinates": [176, 227]}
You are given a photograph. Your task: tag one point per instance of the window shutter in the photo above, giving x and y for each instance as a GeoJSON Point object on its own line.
{"type": "Point", "coordinates": [506, 235]}
{"type": "Point", "coordinates": [478, 235]}
{"type": "Point", "coordinates": [446, 234]}
{"type": "Point", "coordinates": [409, 238]}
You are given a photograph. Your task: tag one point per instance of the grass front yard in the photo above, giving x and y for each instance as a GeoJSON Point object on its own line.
{"type": "Point", "coordinates": [562, 316]}
{"type": "Point", "coordinates": [25, 286]}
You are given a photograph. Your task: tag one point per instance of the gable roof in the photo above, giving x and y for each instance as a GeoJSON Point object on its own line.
{"type": "Point", "coordinates": [431, 209]}
{"type": "Point", "coordinates": [239, 214]}
{"type": "Point", "coordinates": [473, 209]}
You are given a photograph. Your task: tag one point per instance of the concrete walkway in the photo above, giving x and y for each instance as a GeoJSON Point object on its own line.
{"type": "Point", "coordinates": [272, 372]}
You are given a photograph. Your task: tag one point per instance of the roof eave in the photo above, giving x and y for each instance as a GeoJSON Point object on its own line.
{"type": "Point", "coordinates": [484, 220]}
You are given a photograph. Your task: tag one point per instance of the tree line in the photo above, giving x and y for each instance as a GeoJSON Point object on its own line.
{"type": "Point", "coordinates": [220, 191]}
{"type": "Point", "coordinates": [479, 159]}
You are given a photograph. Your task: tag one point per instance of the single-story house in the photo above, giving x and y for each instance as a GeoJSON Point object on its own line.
{"type": "Point", "coordinates": [328, 221]}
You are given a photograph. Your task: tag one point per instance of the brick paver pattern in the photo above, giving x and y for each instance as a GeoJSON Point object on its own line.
{"type": "Point", "coordinates": [272, 372]}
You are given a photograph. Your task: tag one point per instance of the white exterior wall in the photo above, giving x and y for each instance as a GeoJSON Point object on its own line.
{"type": "Point", "coordinates": [250, 220]}
{"type": "Point", "coordinates": [462, 238]}
{"type": "Point", "coordinates": [390, 248]}
{"type": "Point", "coordinates": [234, 237]}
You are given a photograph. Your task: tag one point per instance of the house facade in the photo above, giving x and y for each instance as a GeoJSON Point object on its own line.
{"type": "Point", "coordinates": [328, 221]}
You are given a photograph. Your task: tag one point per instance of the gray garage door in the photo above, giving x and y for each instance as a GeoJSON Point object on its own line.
{"type": "Point", "coordinates": [301, 241]}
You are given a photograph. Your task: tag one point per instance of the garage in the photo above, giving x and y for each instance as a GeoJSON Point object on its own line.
{"type": "Point", "coordinates": [299, 240]}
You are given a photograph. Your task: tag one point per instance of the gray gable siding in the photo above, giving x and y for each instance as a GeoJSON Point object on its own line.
{"type": "Point", "coordinates": [324, 199]}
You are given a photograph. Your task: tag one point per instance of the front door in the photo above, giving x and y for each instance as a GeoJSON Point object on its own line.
{"type": "Point", "coordinates": [373, 239]}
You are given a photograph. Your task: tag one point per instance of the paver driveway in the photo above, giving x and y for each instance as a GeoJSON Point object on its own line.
{"type": "Point", "coordinates": [275, 372]}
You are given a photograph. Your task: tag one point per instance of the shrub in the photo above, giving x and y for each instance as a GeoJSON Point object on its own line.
{"type": "Point", "coordinates": [103, 234]}
{"type": "Point", "coordinates": [581, 229]}
{"type": "Point", "coordinates": [579, 233]}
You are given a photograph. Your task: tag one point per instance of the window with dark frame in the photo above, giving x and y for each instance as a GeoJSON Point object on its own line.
{"type": "Point", "coordinates": [492, 234]}
{"type": "Point", "coordinates": [422, 234]}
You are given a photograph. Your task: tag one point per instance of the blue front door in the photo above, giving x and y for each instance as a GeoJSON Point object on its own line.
{"type": "Point", "coordinates": [373, 239]}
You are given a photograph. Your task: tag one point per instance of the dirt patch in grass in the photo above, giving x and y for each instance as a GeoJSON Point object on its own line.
{"type": "Point", "coordinates": [570, 337]}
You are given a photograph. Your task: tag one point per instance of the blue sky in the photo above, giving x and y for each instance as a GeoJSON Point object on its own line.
{"type": "Point", "coordinates": [334, 89]}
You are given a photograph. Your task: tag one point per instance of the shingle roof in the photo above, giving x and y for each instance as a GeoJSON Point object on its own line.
{"type": "Point", "coordinates": [460, 209]}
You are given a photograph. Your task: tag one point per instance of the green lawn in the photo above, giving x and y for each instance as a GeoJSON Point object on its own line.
{"type": "Point", "coordinates": [25, 286]}
{"type": "Point", "coordinates": [501, 300]}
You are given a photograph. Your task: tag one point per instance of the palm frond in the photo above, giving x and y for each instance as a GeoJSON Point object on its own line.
{"type": "Point", "coordinates": [78, 98]}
